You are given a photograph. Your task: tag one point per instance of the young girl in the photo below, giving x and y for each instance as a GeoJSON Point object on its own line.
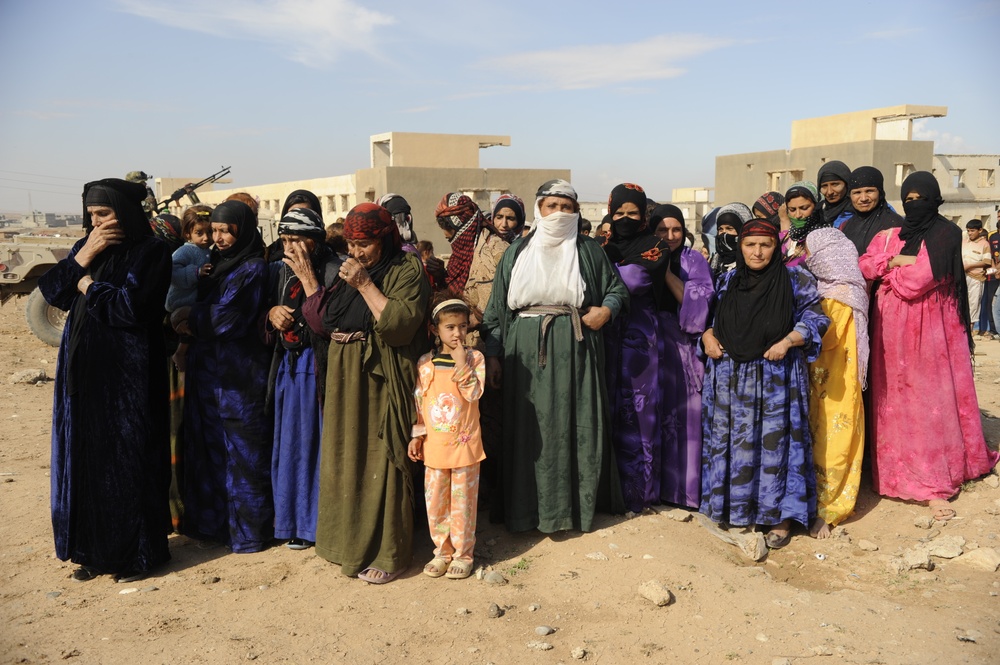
{"type": "Point", "coordinates": [190, 262]}
{"type": "Point", "coordinates": [447, 438]}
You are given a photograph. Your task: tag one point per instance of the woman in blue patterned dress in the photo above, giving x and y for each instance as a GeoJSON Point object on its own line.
{"type": "Point", "coordinates": [757, 463]}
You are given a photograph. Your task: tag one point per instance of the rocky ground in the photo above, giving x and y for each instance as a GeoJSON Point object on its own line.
{"type": "Point", "coordinates": [889, 587]}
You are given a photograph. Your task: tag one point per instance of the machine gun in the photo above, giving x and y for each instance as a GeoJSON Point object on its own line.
{"type": "Point", "coordinates": [188, 190]}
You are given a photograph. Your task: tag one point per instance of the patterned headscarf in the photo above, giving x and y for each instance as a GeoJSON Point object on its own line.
{"type": "Point", "coordinates": [399, 208]}
{"type": "Point", "coordinates": [768, 204]}
{"type": "Point", "coordinates": [556, 187]}
{"type": "Point", "coordinates": [302, 222]}
{"type": "Point", "coordinates": [167, 227]}
{"type": "Point", "coordinates": [833, 259]}
{"type": "Point", "coordinates": [460, 214]}
{"type": "Point", "coordinates": [347, 310]}
{"type": "Point", "coordinates": [516, 205]}
{"type": "Point", "coordinates": [369, 221]}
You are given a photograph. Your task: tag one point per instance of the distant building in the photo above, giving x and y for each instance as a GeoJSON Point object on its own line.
{"type": "Point", "coordinates": [420, 167]}
{"type": "Point", "coordinates": [882, 138]}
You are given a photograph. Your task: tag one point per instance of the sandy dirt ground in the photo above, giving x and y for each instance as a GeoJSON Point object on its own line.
{"type": "Point", "coordinates": [848, 599]}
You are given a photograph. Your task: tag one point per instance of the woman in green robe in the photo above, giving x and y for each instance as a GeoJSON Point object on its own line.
{"type": "Point", "coordinates": [553, 292]}
{"type": "Point", "coordinates": [375, 315]}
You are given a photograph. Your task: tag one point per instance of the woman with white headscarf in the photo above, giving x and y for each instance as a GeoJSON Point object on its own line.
{"type": "Point", "coordinates": [553, 292]}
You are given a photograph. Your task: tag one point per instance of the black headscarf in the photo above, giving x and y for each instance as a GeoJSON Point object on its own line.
{"type": "Point", "coordinates": [943, 240]}
{"type": "Point", "coordinates": [347, 310]}
{"type": "Point", "coordinates": [727, 246]}
{"type": "Point", "coordinates": [303, 196]}
{"type": "Point", "coordinates": [125, 198]}
{"type": "Point", "coordinates": [830, 171]}
{"type": "Point", "coordinates": [248, 245]}
{"type": "Point", "coordinates": [862, 227]}
{"type": "Point", "coordinates": [661, 212]}
{"type": "Point", "coordinates": [633, 240]}
{"type": "Point", "coordinates": [758, 307]}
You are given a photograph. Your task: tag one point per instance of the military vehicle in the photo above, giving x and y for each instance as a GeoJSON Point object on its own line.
{"type": "Point", "coordinates": [26, 257]}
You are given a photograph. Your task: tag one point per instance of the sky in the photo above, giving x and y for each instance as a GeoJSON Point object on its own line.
{"type": "Point", "coordinates": [644, 92]}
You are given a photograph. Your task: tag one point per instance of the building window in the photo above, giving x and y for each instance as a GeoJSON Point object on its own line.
{"type": "Point", "coordinates": [797, 175]}
{"type": "Point", "coordinates": [986, 178]}
{"type": "Point", "coordinates": [773, 181]}
{"type": "Point", "coordinates": [344, 203]}
{"type": "Point", "coordinates": [749, 167]}
{"type": "Point", "coordinates": [902, 171]}
{"type": "Point", "coordinates": [370, 196]}
{"type": "Point", "coordinates": [331, 205]}
{"type": "Point", "coordinates": [957, 178]}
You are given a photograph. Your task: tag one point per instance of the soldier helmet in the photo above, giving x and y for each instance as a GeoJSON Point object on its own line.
{"type": "Point", "coordinates": [137, 176]}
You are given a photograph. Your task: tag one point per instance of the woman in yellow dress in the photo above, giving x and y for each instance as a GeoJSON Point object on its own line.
{"type": "Point", "coordinates": [837, 377]}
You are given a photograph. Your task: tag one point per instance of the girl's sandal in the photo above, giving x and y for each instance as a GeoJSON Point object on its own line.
{"type": "Point", "coordinates": [459, 570]}
{"type": "Point", "coordinates": [436, 567]}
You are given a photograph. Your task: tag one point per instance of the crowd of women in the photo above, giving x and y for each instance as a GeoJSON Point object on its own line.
{"type": "Point", "coordinates": [338, 387]}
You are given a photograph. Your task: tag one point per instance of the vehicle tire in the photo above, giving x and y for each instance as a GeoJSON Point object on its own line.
{"type": "Point", "coordinates": [44, 320]}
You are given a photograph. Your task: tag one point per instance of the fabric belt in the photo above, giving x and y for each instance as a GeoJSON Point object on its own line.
{"type": "Point", "coordinates": [347, 338]}
{"type": "Point", "coordinates": [548, 314]}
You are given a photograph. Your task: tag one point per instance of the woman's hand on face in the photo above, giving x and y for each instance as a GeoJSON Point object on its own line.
{"type": "Point", "coordinates": [354, 274]}
{"type": "Point", "coordinates": [713, 349]}
{"type": "Point", "coordinates": [901, 260]}
{"type": "Point", "coordinates": [778, 350]}
{"type": "Point", "coordinates": [280, 317]}
{"type": "Point", "coordinates": [596, 317]}
{"type": "Point", "coordinates": [297, 258]}
{"type": "Point", "coordinates": [100, 238]}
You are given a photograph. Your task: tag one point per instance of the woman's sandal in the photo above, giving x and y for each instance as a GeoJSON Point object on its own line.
{"type": "Point", "coordinates": [775, 541]}
{"type": "Point", "coordinates": [459, 570]}
{"type": "Point", "coordinates": [436, 567]}
{"type": "Point", "coordinates": [383, 577]}
{"type": "Point", "coordinates": [85, 573]}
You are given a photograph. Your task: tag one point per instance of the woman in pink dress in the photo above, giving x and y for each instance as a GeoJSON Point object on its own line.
{"type": "Point", "coordinates": [927, 437]}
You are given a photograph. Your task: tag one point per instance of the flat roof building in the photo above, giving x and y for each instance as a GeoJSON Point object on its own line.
{"type": "Point", "coordinates": [882, 138]}
{"type": "Point", "coordinates": [420, 167]}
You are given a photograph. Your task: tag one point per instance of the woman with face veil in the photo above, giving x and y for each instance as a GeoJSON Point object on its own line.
{"type": "Point", "coordinates": [553, 293]}
{"type": "Point", "coordinates": [110, 426]}
{"type": "Point", "coordinates": [927, 436]}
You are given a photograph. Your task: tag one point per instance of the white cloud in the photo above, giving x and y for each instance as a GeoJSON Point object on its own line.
{"type": "Point", "coordinates": [893, 33]}
{"type": "Point", "coordinates": [312, 32]}
{"type": "Point", "coordinates": [944, 142]}
{"type": "Point", "coordinates": [592, 66]}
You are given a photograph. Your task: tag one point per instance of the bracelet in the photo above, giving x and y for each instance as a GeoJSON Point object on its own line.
{"type": "Point", "coordinates": [790, 340]}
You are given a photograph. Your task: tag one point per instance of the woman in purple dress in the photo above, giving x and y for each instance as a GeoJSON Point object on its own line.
{"type": "Point", "coordinates": [637, 360]}
{"type": "Point", "coordinates": [227, 432]}
{"type": "Point", "coordinates": [683, 317]}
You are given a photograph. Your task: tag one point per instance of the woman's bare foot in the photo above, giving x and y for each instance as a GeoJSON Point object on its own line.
{"type": "Point", "coordinates": [941, 510]}
{"type": "Point", "coordinates": [819, 529]}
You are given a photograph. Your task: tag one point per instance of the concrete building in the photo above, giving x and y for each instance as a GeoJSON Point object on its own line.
{"type": "Point", "coordinates": [420, 167]}
{"type": "Point", "coordinates": [968, 187]}
{"type": "Point", "coordinates": [882, 138]}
